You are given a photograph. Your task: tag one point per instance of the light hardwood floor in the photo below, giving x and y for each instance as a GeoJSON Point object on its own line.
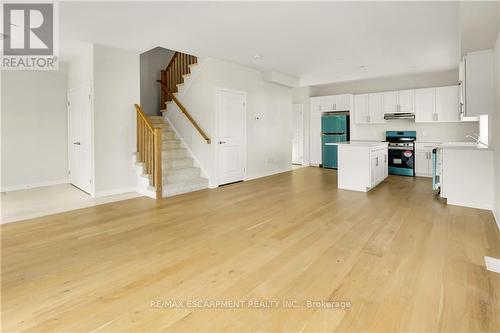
{"type": "Point", "coordinates": [403, 259]}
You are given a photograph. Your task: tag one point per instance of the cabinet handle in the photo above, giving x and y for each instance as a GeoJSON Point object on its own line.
{"type": "Point", "coordinates": [367, 119]}
{"type": "Point", "coordinates": [385, 158]}
{"type": "Point", "coordinates": [377, 161]}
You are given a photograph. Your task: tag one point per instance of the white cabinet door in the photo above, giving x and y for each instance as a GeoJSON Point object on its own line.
{"type": "Point", "coordinates": [327, 103]}
{"type": "Point", "coordinates": [386, 163]}
{"type": "Point", "coordinates": [342, 102]}
{"type": "Point", "coordinates": [447, 104]}
{"type": "Point", "coordinates": [422, 163]}
{"type": "Point", "coordinates": [479, 83]}
{"type": "Point", "coordinates": [315, 104]}
{"type": "Point", "coordinates": [315, 139]}
{"type": "Point", "coordinates": [375, 108]}
{"type": "Point", "coordinates": [361, 115]}
{"type": "Point", "coordinates": [406, 100]}
{"type": "Point", "coordinates": [425, 104]}
{"type": "Point", "coordinates": [374, 169]}
{"type": "Point", "coordinates": [390, 102]}
{"type": "Point", "coordinates": [423, 158]}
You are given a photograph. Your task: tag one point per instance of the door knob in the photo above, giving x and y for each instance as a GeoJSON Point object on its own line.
{"type": "Point", "coordinates": [222, 142]}
{"type": "Point", "coordinates": [76, 143]}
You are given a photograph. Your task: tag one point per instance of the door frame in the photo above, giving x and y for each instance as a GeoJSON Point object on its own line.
{"type": "Point", "coordinates": [303, 132]}
{"type": "Point", "coordinates": [69, 143]}
{"type": "Point", "coordinates": [218, 90]}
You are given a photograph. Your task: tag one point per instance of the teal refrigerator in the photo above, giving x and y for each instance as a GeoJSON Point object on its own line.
{"type": "Point", "coordinates": [334, 128]}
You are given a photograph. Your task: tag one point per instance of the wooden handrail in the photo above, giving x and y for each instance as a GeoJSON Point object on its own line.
{"type": "Point", "coordinates": [144, 117]}
{"type": "Point", "coordinates": [149, 147]}
{"type": "Point", "coordinates": [172, 60]}
{"type": "Point", "coordinates": [184, 111]}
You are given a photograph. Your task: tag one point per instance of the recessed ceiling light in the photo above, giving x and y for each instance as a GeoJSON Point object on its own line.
{"type": "Point", "coordinates": [257, 56]}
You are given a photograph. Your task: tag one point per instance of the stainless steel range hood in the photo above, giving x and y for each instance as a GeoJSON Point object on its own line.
{"type": "Point", "coordinates": [399, 115]}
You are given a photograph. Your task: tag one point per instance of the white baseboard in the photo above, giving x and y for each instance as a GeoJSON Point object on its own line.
{"type": "Point", "coordinates": [267, 174]}
{"type": "Point", "coordinates": [115, 192]}
{"type": "Point", "coordinates": [34, 185]}
{"type": "Point", "coordinates": [469, 205]}
{"type": "Point", "coordinates": [146, 193]}
{"type": "Point", "coordinates": [497, 219]}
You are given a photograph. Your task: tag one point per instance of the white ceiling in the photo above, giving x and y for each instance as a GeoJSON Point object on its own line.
{"type": "Point", "coordinates": [318, 42]}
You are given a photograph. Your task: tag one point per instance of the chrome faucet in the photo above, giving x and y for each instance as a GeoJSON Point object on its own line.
{"type": "Point", "coordinates": [477, 139]}
{"type": "Point", "coordinates": [474, 137]}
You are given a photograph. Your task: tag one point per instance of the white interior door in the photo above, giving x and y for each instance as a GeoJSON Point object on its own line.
{"type": "Point", "coordinates": [297, 134]}
{"type": "Point", "coordinates": [231, 128]}
{"type": "Point", "coordinates": [80, 137]}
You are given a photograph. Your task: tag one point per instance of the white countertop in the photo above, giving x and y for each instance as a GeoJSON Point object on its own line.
{"type": "Point", "coordinates": [464, 146]}
{"type": "Point", "coordinates": [359, 143]}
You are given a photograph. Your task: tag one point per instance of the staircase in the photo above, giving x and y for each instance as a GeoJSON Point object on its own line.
{"type": "Point", "coordinates": [179, 173]}
{"type": "Point", "coordinates": [177, 169]}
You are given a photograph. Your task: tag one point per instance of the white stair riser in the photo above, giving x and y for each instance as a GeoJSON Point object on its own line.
{"type": "Point", "coordinates": [168, 135]}
{"type": "Point", "coordinates": [181, 175]}
{"type": "Point", "coordinates": [175, 164]}
{"type": "Point", "coordinates": [171, 145]}
{"type": "Point", "coordinates": [179, 188]}
{"type": "Point", "coordinates": [173, 154]}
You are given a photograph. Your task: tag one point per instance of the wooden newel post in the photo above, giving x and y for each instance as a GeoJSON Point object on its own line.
{"type": "Point", "coordinates": [158, 176]}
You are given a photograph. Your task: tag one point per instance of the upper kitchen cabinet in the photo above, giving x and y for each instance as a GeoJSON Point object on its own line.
{"type": "Point", "coordinates": [315, 104]}
{"type": "Point", "coordinates": [425, 105]}
{"type": "Point", "coordinates": [327, 103]}
{"type": "Point", "coordinates": [343, 102]}
{"type": "Point", "coordinates": [447, 104]}
{"type": "Point", "coordinates": [368, 108]}
{"type": "Point", "coordinates": [361, 111]}
{"type": "Point", "coordinates": [406, 101]}
{"type": "Point", "coordinates": [390, 99]}
{"type": "Point", "coordinates": [333, 103]}
{"type": "Point", "coordinates": [399, 101]}
{"type": "Point", "coordinates": [375, 108]}
{"type": "Point", "coordinates": [437, 104]}
{"type": "Point", "coordinates": [477, 84]}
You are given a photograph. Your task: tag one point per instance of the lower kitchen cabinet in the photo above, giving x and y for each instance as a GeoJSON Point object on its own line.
{"type": "Point", "coordinates": [423, 158]}
{"type": "Point", "coordinates": [379, 168]}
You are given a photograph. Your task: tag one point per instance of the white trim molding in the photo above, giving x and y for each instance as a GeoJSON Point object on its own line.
{"type": "Point", "coordinates": [116, 191]}
{"type": "Point", "coordinates": [34, 185]}
{"type": "Point", "coordinates": [497, 219]}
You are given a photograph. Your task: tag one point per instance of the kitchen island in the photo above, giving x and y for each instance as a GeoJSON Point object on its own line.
{"type": "Point", "coordinates": [362, 165]}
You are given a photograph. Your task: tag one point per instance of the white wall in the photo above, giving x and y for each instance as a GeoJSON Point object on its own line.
{"type": "Point", "coordinates": [301, 96]}
{"type": "Point", "coordinates": [80, 69]}
{"type": "Point", "coordinates": [116, 89]}
{"type": "Point", "coordinates": [34, 128]}
{"type": "Point", "coordinates": [152, 63]}
{"type": "Point", "coordinates": [496, 134]}
{"type": "Point", "coordinates": [269, 148]}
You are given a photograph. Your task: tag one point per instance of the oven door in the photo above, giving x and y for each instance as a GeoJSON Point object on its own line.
{"type": "Point", "coordinates": [401, 161]}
